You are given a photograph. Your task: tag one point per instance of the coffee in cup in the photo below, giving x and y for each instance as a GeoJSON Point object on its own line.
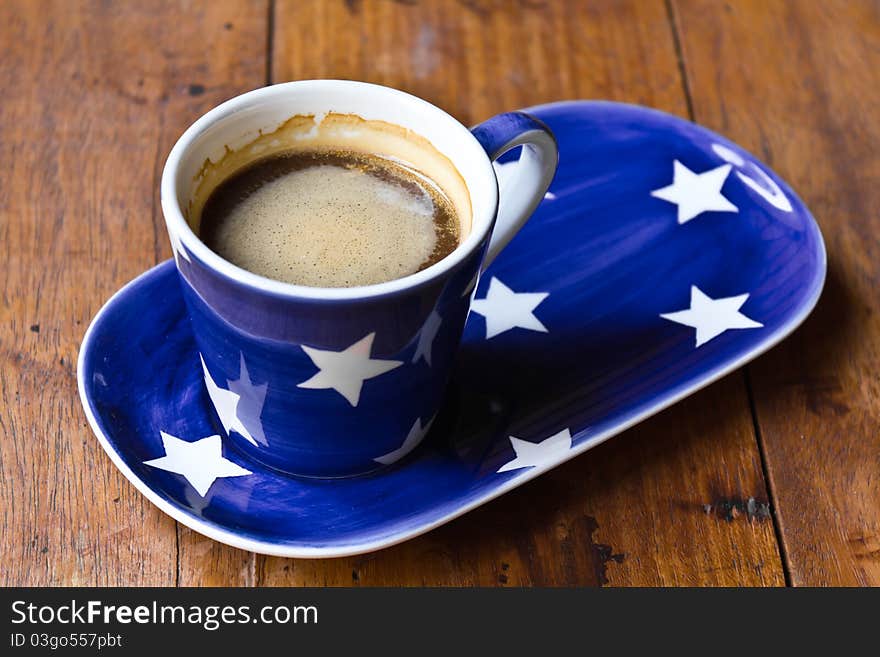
{"type": "Point", "coordinates": [328, 207]}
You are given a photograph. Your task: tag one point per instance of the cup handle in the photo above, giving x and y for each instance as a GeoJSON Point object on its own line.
{"type": "Point", "coordinates": [526, 185]}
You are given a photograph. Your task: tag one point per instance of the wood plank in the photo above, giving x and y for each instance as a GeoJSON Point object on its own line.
{"type": "Point", "coordinates": [797, 83]}
{"type": "Point", "coordinates": [94, 95]}
{"type": "Point", "coordinates": [666, 503]}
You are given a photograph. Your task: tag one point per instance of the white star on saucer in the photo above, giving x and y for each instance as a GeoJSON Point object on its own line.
{"type": "Point", "coordinates": [177, 247]}
{"type": "Point", "coordinates": [226, 403]}
{"type": "Point", "coordinates": [426, 338]}
{"type": "Point", "coordinates": [201, 462]}
{"type": "Point", "coordinates": [712, 317]}
{"type": "Point", "coordinates": [546, 452]}
{"type": "Point", "coordinates": [696, 193]}
{"type": "Point", "coordinates": [250, 403]}
{"type": "Point", "coordinates": [505, 309]}
{"type": "Point", "coordinates": [345, 371]}
{"type": "Point", "coordinates": [413, 438]}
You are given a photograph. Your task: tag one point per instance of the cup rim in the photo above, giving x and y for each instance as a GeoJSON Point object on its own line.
{"type": "Point", "coordinates": [181, 230]}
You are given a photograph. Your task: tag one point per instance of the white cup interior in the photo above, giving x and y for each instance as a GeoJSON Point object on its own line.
{"type": "Point", "coordinates": [239, 121]}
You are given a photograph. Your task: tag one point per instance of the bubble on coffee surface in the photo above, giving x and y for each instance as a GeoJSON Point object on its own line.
{"type": "Point", "coordinates": [329, 219]}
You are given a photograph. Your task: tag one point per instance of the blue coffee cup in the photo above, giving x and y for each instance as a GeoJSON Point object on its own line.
{"type": "Point", "coordinates": [332, 382]}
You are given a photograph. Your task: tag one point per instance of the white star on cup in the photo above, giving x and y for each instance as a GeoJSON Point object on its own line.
{"type": "Point", "coordinates": [416, 433]}
{"type": "Point", "coordinates": [345, 371]}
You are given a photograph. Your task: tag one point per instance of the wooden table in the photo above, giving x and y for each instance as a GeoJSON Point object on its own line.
{"type": "Point", "coordinates": [768, 477]}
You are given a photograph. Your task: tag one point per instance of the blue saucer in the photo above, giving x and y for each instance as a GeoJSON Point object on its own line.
{"type": "Point", "coordinates": [662, 258]}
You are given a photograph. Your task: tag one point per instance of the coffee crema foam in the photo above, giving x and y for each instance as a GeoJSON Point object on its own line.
{"type": "Point", "coordinates": [329, 219]}
{"type": "Point", "coordinates": [419, 177]}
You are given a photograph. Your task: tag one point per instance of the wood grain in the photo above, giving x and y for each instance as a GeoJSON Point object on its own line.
{"type": "Point", "coordinates": [798, 84]}
{"type": "Point", "coordinates": [678, 500]}
{"type": "Point", "coordinates": [93, 96]}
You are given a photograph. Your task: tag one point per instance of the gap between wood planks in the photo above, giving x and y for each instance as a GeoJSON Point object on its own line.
{"type": "Point", "coordinates": [270, 39]}
{"type": "Point", "coordinates": [765, 471]}
{"type": "Point", "coordinates": [747, 382]}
